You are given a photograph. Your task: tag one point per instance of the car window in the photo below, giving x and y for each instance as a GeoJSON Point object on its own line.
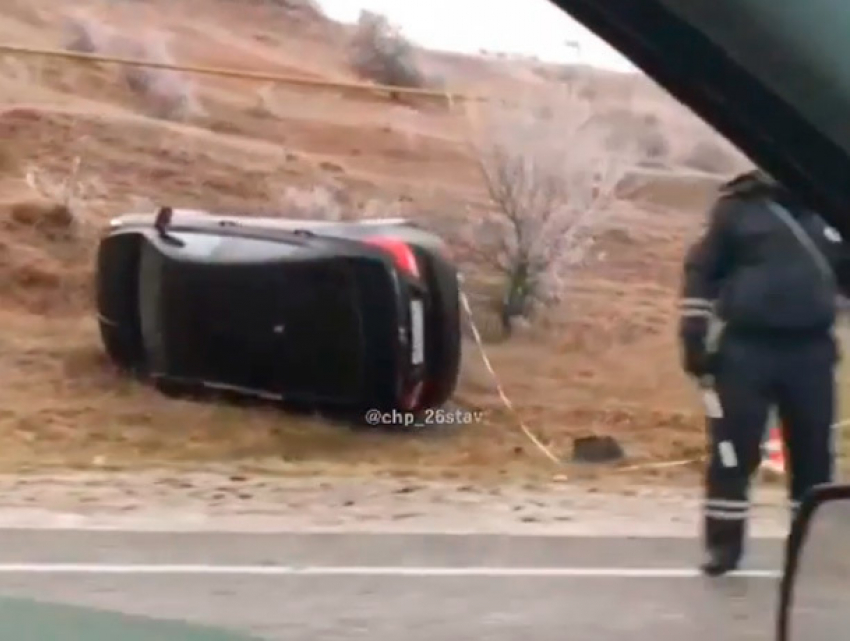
{"type": "Point", "coordinates": [799, 50]}
{"type": "Point", "coordinates": [770, 77]}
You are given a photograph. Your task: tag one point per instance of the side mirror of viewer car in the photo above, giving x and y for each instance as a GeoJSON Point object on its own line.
{"type": "Point", "coordinates": [814, 595]}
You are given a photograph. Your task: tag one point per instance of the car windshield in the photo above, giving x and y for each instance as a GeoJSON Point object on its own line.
{"type": "Point", "coordinates": [769, 76]}
{"type": "Point", "coordinates": [800, 50]}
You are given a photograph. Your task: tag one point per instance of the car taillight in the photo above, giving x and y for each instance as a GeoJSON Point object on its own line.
{"type": "Point", "coordinates": [401, 253]}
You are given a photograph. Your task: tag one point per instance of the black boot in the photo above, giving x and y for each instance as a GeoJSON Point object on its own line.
{"type": "Point", "coordinates": [720, 560]}
{"type": "Point", "coordinates": [724, 543]}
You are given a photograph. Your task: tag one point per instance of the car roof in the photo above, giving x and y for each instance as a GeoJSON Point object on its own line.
{"type": "Point", "coordinates": [40, 621]}
{"type": "Point", "coordinates": [772, 76]}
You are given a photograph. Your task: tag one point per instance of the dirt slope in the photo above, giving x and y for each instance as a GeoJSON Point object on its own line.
{"type": "Point", "coordinates": [611, 366]}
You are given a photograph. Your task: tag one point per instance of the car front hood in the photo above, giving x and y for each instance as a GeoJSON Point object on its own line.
{"type": "Point", "coordinates": [769, 75]}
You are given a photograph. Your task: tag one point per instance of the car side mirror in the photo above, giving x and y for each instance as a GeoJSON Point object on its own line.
{"type": "Point", "coordinates": [814, 596]}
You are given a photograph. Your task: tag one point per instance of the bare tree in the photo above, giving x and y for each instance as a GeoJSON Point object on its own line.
{"type": "Point", "coordinates": [167, 93]}
{"type": "Point", "coordinates": [331, 202]}
{"type": "Point", "coordinates": [318, 202]}
{"type": "Point", "coordinates": [552, 176]}
{"type": "Point", "coordinates": [381, 53]}
{"type": "Point", "coordinates": [86, 34]}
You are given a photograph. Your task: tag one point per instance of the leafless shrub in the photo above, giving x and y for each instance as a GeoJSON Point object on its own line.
{"type": "Point", "coordinates": [381, 53]}
{"type": "Point", "coordinates": [552, 177]}
{"type": "Point", "coordinates": [333, 203]}
{"type": "Point", "coordinates": [58, 209]}
{"type": "Point", "coordinates": [378, 208]}
{"type": "Point", "coordinates": [166, 92]}
{"type": "Point", "coordinates": [318, 202]}
{"type": "Point", "coordinates": [630, 127]}
{"type": "Point", "coordinates": [63, 192]}
{"type": "Point", "coordinates": [85, 34]}
{"type": "Point", "coordinates": [265, 104]}
{"type": "Point", "coordinates": [711, 157]}
{"type": "Point", "coordinates": [654, 145]}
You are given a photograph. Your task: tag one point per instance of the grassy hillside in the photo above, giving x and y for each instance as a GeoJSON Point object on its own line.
{"type": "Point", "coordinates": [605, 363]}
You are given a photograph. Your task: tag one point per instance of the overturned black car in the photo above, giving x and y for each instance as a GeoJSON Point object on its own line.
{"type": "Point", "coordinates": [342, 315]}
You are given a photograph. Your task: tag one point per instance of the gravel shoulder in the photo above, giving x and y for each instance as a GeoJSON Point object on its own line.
{"type": "Point", "coordinates": [177, 501]}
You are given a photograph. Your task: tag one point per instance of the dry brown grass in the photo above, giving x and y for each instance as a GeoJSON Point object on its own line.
{"type": "Point", "coordinates": [608, 364]}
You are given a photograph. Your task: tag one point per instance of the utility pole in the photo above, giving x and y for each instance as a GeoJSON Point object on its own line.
{"type": "Point", "coordinates": [571, 71]}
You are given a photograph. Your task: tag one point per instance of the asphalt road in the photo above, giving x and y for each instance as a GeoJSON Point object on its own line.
{"type": "Point", "coordinates": [329, 587]}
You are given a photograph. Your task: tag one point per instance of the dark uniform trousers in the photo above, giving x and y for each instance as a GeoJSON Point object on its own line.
{"type": "Point", "coordinates": [795, 374]}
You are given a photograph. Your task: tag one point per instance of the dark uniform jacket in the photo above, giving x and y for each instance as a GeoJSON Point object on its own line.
{"type": "Point", "coordinates": [752, 272]}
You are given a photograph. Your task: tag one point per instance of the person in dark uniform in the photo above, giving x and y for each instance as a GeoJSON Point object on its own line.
{"type": "Point", "coordinates": [768, 270]}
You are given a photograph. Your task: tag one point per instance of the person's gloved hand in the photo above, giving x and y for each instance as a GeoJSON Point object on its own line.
{"type": "Point", "coordinates": [696, 361]}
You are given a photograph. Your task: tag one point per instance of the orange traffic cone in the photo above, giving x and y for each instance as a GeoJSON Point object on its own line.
{"type": "Point", "coordinates": [773, 459]}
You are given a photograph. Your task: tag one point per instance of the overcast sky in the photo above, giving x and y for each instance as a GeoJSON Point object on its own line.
{"type": "Point", "coordinates": [466, 26]}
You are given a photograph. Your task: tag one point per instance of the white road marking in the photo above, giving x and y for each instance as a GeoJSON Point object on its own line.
{"type": "Point", "coordinates": [385, 571]}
